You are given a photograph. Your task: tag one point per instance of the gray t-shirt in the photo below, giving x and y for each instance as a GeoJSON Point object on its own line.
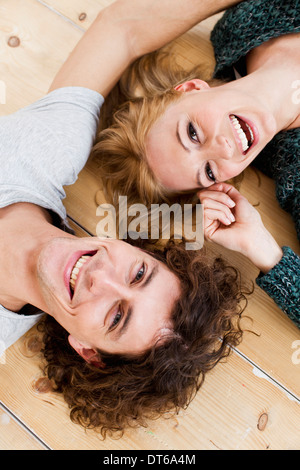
{"type": "Point", "coordinates": [43, 147]}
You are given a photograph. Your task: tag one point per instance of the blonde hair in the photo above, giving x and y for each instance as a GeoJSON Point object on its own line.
{"type": "Point", "coordinates": [146, 90]}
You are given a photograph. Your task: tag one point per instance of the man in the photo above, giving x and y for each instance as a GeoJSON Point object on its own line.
{"type": "Point", "coordinates": [94, 288]}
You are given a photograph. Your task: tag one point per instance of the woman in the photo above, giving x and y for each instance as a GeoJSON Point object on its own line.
{"type": "Point", "coordinates": [186, 135]}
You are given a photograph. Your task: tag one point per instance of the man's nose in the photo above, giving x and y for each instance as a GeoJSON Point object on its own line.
{"type": "Point", "coordinates": [108, 282]}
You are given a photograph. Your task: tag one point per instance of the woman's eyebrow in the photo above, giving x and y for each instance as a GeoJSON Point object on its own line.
{"type": "Point", "coordinates": [179, 139]}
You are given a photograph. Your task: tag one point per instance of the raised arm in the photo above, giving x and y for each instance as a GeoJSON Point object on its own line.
{"type": "Point", "coordinates": [231, 221]}
{"type": "Point", "coordinates": [124, 31]}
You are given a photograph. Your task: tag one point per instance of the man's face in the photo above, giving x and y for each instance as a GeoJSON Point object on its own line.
{"type": "Point", "coordinates": [106, 293]}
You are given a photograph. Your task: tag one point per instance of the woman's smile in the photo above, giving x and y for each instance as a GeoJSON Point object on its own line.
{"type": "Point", "coordinates": [246, 134]}
{"type": "Point", "coordinates": [208, 135]}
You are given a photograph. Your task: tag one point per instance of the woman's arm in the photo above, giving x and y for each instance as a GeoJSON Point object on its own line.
{"type": "Point", "coordinates": [231, 221]}
{"type": "Point", "coordinates": [124, 31]}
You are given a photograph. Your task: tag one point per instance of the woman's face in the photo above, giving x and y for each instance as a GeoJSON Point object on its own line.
{"type": "Point", "coordinates": [208, 135]}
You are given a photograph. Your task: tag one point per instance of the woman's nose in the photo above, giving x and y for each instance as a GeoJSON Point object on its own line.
{"type": "Point", "coordinates": [223, 148]}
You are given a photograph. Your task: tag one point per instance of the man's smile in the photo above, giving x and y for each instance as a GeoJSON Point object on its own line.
{"type": "Point", "coordinates": [73, 269]}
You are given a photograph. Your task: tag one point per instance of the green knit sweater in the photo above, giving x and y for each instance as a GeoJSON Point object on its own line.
{"type": "Point", "coordinates": [242, 28]}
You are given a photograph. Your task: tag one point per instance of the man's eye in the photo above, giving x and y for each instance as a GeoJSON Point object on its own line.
{"type": "Point", "coordinates": [192, 133]}
{"type": "Point", "coordinates": [140, 273]}
{"type": "Point", "coordinates": [117, 318]}
{"type": "Point", "coordinates": [209, 173]}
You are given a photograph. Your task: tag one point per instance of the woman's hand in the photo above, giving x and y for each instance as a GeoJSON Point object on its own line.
{"type": "Point", "coordinates": [231, 221]}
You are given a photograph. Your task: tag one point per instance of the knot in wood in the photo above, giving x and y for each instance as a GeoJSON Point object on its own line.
{"type": "Point", "coordinates": [262, 421]}
{"type": "Point", "coordinates": [13, 41]}
{"type": "Point", "coordinates": [42, 385]}
{"type": "Point", "coordinates": [82, 16]}
{"type": "Point", "coordinates": [34, 344]}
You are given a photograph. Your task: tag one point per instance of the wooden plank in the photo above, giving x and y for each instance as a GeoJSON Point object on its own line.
{"type": "Point", "coordinates": [80, 12]}
{"type": "Point", "coordinates": [225, 414]}
{"type": "Point", "coordinates": [235, 395]}
{"type": "Point", "coordinates": [237, 409]}
{"type": "Point", "coordinates": [81, 200]}
{"type": "Point", "coordinates": [13, 436]}
{"type": "Point", "coordinates": [46, 39]}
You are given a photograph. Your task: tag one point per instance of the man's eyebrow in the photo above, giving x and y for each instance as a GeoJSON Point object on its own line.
{"type": "Point", "coordinates": [126, 322]}
{"type": "Point", "coordinates": [150, 277]}
{"type": "Point", "coordinates": [179, 139]}
{"type": "Point", "coordinates": [124, 327]}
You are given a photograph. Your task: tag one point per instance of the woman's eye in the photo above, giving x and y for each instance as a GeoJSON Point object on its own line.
{"type": "Point", "coordinates": [192, 133]}
{"type": "Point", "coordinates": [140, 273]}
{"type": "Point", "coordinates": [209, 173]}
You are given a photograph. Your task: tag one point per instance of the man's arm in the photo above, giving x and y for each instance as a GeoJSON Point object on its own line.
{"type": "Point", "coordinates": [124, 31]}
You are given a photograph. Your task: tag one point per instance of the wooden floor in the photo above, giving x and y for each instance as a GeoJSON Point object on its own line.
{"type": "Point", "coordinates": [249, 402]}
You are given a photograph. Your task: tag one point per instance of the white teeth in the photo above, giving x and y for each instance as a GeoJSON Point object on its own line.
{"type": "Point", "coordinates": [241, 133]}
{"type": "Point", "coordinates": [251, 133]}
{"type": "Point", "coordinates": [76, 269]}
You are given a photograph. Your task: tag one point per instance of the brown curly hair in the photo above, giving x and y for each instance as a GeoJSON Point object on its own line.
{"type": "Point", "coordinates": [131, 389]}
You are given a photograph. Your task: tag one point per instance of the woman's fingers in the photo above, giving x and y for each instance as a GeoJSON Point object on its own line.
{"type": "Point", "coordinates": [214, 209]}
{"type": "Point", "coordinates": [223, 192]}
{"type": "Point", "coordinates": [217, 196]}
{"type": "Point", "coordinates": [215, 214]}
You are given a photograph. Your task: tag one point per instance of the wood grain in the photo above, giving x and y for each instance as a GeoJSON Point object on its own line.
{"type": "Point", "coordinates": [249, 402]}
{"type": "Point", "coordinates": [225, 413]}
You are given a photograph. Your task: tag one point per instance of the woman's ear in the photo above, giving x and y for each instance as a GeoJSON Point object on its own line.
{"type": "Point", "coordinates": [191, 85]}
{"type": "Point", "coordinates": [90, 355]}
